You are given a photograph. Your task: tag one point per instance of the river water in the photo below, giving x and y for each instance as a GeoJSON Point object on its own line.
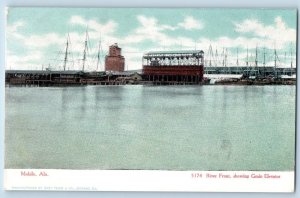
{"type": "Point", "coordinates": [151, 127]}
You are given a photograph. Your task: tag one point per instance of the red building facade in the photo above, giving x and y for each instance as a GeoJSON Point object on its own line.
{"type": "Point", "coordinates": [114, 61]}
{"type": "Point", "coordinates": [175, 66]}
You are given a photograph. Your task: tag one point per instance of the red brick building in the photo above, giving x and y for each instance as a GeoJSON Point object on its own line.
{"type": "Point", "coordinates": [114, 61]}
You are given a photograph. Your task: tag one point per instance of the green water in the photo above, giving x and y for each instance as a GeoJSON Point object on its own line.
{"type": "Point", "coordinates": [151, 127]}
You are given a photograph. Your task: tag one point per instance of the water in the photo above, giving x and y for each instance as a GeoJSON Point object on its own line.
{"type": "Point", "coordinates": [151, 127]}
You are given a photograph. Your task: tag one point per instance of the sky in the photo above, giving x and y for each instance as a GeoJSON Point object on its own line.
{"type": "Point", "coordinates": [36, 37]}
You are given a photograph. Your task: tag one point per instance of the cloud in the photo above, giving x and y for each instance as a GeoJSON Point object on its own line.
{"type": "Point", "coordinates": [133, 57]}
{"type": "Point", "coordinates": [168, 27]}
{"type": "Point", "coordinates": [35, 40]}
{"type": "Point", "coordinates": [105, 28]}
{"type": "Point", "coordinates": [191, 23]}
{"type": "Point", "coordinates": [97, 32]}
{"type": "Point", "coordinates": [31, 59]}
{"type": "Point", "coordinates": [33, 55]}
{"type": "Point", "coordinates": [40, 42]}
{"type": "Point", "coordinates": [278, 33]}
{"type": "Point", "coordinates": [12, 30]}
{"type": "Point", "coordinates": [150, 34]}
{"type": "Point", "coordinates": [151, 30]}
{"type": "Point", "coordinates": [44, 40]}
{"type": "Point", "coordinates": [78, 20]}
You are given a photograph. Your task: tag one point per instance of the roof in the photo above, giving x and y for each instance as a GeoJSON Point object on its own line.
{"type": "Point", "coordinates": [174, 52]}
{"type": "Point", "coordinates": [115, 45]}
{"type": "Point", "coordinates": [223, 76]}
{"type": "Point", "coordinates": [42, 72]}
{"type": "Point", "coordinates": [288, 77]}
{"type": "Point", "coordinates": [125, 73]}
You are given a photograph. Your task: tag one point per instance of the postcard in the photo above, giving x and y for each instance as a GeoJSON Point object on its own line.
{"type": "Point", "coordinates": [150, 99]}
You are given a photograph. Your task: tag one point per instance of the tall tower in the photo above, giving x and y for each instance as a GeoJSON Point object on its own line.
{"type": "Point", "coordinates": [114, 61]}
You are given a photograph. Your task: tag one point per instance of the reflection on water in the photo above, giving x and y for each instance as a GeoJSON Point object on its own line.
{"type": "Point", "coordinates": [151, 127]}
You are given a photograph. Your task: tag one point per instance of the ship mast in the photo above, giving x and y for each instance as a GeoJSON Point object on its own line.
{"type": "Point", "coordinates": [275, 60]}
{"type": "Point", "coordinates": [247, 61]}
{"type": "Point", "coordinates": [85, 49]}
{"type": "Point", "coordinates": [98, 55]}
{"type": "Point", "coordinates": [225, 59]}
{"type": "Point", "coordinates": [223, 54]}
{"type": "Point", "coordinates": [284, 57]}
{"type": "Point", "coordinates": [237, 56]}
{"type": "Point", "coordinates": [256, 61]}
{"type": "Point", "coordinates": [216, 58]}
{"type": "Point", "coordinates": [291, 59]}
{"type": "Point", "coordinates": [264, 63]}
{"type": "Point", "coordinates": [66, 53]}
{"type": "Point", "coordinates": [210, 52]}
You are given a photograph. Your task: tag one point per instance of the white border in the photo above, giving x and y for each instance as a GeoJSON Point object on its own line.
{"type": "Point", "coordinates": [148, 180]}
{"type": "Point", "coordinates": [129, 3]}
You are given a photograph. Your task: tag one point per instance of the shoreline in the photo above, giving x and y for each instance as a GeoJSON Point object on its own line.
{"type": "Point", "coordinates": [147, 83]}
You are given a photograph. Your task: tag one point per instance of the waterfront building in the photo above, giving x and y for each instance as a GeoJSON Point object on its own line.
{"type": "Point", "coordinates": [174, 66]}
{"type": "Point", "coordinates": [114, 61]}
